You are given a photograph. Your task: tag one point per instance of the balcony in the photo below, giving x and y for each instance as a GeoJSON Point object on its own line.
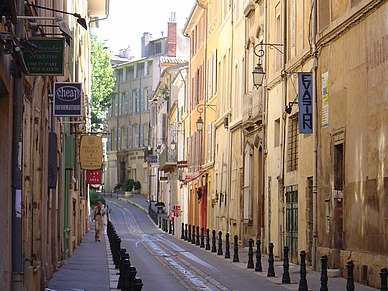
{"type": "Point", "coordinates": [252, 109]}
{"type": "Point", "coordinates": [167, 160]}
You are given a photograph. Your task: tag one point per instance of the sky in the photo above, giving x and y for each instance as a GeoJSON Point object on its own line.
{"type": "Point", "coordinates": [128, 19]}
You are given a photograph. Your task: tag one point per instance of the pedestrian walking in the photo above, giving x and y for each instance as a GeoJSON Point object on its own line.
{"type": "Point", "coordinates": [98, 217]}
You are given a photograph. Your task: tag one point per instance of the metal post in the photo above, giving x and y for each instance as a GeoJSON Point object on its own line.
{"type": "Point", "coordinates": [303, 281]}
{"type": "Point", "coordinates": [250, 254]}
{"type": "Point", "coordinates": [137, 284]}
{"type": "Point", "coordinates": [235, 256]}
{"type": "Point", "coordinates": [350, 279]}
{"type": "Point", "coordinates": [214, 249]}
{"type": "Point", "coordinates": [286, 266]}
{"type": "Point", "coordinates": [202, 237]}
{"type": "Point", "coordinates": [323, 273]}
{"type": "Point", "coordinates": [186, 231]}
{"type": "Point", "coordinates": [383, 276]}
{"type": "Point", "coordinates": [258, 267]}
{"type": "Point", "coordinates": [189, 235]}
{"type": "Point", "coordinates": [227, 247]}
{"type": "Point", "coordinates": [219, 252]}
{"type": "Point", "coordinates": [183, 231]}
{"type": "Point", "coordinates": [197, 237]}
{"type": "Point", "coordinates": [271, 270]}
{"type": "Point", "coordinates": [207, 240]}
{"type": "Point", "coordinates": [193, 235]}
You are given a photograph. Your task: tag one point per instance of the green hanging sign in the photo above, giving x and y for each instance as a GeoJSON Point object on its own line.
{"type": "Point", "coordinates": [48, 59]}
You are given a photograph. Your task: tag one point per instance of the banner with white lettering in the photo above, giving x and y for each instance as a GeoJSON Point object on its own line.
{"type": "Point", "coordinates": [305, 103]}
{"type": "Point", "coordinates": [67, 99]}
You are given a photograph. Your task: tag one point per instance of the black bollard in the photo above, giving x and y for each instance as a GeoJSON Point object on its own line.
{"type": "Point", "coordinates": [170, 225]}
{"type": "Point", "coordinates": [189, 235]}
{"type": "Point", "coordinates": [271, 270]}
{"type": "Point", "coordinates": [202, 238]}
{"type": "Point", "coordinates": [303, 272]}
{"type": "Point", "coordinates": [160, 222]}
{"type": "Point", "coordinates": [117, 252]}
{"type": "Point", "coordinates": [219, 252]}
{"type": "Point", "coordinates": [122, 271]}
{"type": "Point", "coordinates": [132, 275]}
{"type": "Point", "coordinates": [250, 254]}
{"type": "Point", "coordinates": [323, 273]}
{"type": "Point", "coordinates": [137, 284]}
{"type": "Point", "coordinates": [235, 255]}
{"type": "Point", "coordinates": [258, 267]}
{"type": "Point", "coordinates": [286, 266]}
{"type": "Point", "coordinates": [383, 276]}
{"type": "Point", "coordinates": [186, 231]}
{"type": "Point", "coordinates": [214, 249]}
{"type": "Point", "coordinates": [227, 246]}
{"type": "Point", "coordinates": [207, 247]}
{"type": "Point", "coordinates": [126, 282]}
{"type": "Point", "coordinates": [193, 235]}
{"type": "Point", "coordinates": [197, 237]}
{"type": "Point", "coordinates": [183, 231]}
{"type": "Point", "coordinates": [350, 279]}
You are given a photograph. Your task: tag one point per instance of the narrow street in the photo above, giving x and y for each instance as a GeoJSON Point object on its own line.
{"type": "Point", "coordinates": [165, 262]}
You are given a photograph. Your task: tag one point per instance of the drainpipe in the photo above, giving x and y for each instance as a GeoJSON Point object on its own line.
{"type": "Point", "coordinates": [281, 182]}
{"type": "Point", "coordinates": [17, 162]}
{"type": "Point", "coordinates": [315, 138]}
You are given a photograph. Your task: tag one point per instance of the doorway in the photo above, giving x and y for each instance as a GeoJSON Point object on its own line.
{"type": "Point", "coordinates": [292, 221]}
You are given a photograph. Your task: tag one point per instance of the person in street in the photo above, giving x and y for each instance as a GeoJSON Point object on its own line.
{"type": "Point", "coordinates": [98, 217]}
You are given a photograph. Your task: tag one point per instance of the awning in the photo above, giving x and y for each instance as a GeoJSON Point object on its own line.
{"type": "Point", "coordinates": [197, 175]}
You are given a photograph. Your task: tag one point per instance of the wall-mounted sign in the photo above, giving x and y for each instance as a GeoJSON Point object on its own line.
{"type": "Point", "coordinates": [187, 176]}
{"type": "Point", "coordinates": [48, 58]}
{"type": "Point", "coordinates": [182, 164]}
{"type": "Point", "coordinates": [67, 99]}
{"type": "Point", "coordinates": [325, 99]}
{"type": "Point", "coordinates": [91, 152]}
{"type": "Point", "coordinates": [152, 159]}
{"type": "Point", "coordinates": [305, 91]}
{"type": "Point", "coordinates": [93, 176]}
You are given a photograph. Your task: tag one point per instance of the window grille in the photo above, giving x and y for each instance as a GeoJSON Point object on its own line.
{"type": "Point", "coordinates": [293, 143]}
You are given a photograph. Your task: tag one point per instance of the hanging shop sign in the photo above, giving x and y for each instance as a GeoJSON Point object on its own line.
{"type": "Point", "coordinates": [67, 99]}
{"type": "Point", "coordinates": [48, 58]}
{"type": "Point", "coordinates": [91, 152]}
{"type": "Point", "coordinates": [305, 85]}
{"type": "Point", "coordinates": [152, 159]}
{"type": "Point", "coordinates": [93, 176]}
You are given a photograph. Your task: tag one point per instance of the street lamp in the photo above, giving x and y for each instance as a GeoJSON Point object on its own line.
{"type": "Point", "coordinates": [200, 108]}
{"type": "Point", "coordinates": [173, 145]}
{"type": "Point", "coordinates": [81, 21]}
{"type": "Point", "coordinates": [258, 73]}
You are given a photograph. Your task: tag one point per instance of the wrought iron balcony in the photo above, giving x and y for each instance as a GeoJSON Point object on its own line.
{"type": "Point", "coordinates": [167, 160]}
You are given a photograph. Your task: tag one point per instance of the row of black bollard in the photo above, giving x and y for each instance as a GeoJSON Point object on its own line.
{"type": "Point", "coordinates": [127, 278]}
{"type": "Point", "coordinates": [194, 236]}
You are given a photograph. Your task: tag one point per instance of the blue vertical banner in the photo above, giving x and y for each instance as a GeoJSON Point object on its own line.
{"type": "Point", "coordinates": [305, 93]}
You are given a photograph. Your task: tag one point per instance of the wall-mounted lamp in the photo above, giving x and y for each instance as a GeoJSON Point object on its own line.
{"type": "Point", "coordinates": [258, 73]}
{"type": "Point", "coordinates": [200, 109]}
{"type": "Point", "coordinates": [81, 21]}
{"type": "Point", "coordinates": [173, 145]}
{"type": "Point", "coordinates": [289, 107]}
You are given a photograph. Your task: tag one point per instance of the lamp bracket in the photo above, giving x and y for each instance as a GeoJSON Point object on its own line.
{"type": "Point", "coordinates": [201, 108]}
{"type": "Point", "coordinates": [261, 52]}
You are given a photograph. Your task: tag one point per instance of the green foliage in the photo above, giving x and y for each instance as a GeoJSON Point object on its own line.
{"type": "Point", "coordinates": [128, 185]}
{"type": "Point", "coordinates": [118, 186]}
{"type": "Point", "coordinates": [95, 197]}
{"type": "Point", "coordinates": [165, 92]}
{"type": "Point", "coordinates": [137, 185]}
{"type": "Point", "coordinates": [102, 84]}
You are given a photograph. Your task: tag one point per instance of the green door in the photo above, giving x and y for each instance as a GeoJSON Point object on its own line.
{"type": "Point", "coordinates": [292, 222]}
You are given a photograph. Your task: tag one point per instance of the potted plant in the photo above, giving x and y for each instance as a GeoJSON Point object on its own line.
{"type": "Point", "coordinates": [117, 187]}
{"type": "Point", "coordinates": [127, 187]}
{"type": "Point", "coordinates": [137, 186]}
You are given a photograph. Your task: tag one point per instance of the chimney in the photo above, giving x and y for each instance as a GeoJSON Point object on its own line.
{"type": "Point", "coordinates": [171, 37]}
{"type": "Point", "coordinates": [145, 47]}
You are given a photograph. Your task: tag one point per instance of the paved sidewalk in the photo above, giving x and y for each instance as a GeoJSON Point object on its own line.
{"type": "Point", "coordinates": [86, 270]}
{"type": "Point", "coordinates": [313, 277]}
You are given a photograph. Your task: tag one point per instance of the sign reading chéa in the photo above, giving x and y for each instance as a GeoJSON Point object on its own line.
{"type": "Point", "coordinates": [67, 99]}
{"type": "Point", "coordinates": [91, 152]}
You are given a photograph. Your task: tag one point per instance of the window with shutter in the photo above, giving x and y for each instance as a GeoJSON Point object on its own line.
{"type": "Point", "coordinates": [209, 142]}
{"type": "Point", "coordinates": [126, 137]}
{"type": "Point", "coordinates": [119, 139]}
{"type": "Point", "coordinates": [142, 135]}
{"type": "Point", "coordinates": [130, 137]}
{"type": "Point", "coordinates": [137, 135]}
{"type": "Point", "coordinates": [141, 99]}
{"type": "Point", "coordinates": [131, 102]}
{"type": "Point", "coordinates": [126, 103]}
{"type": "Point", "coordinates": [137, 100]}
